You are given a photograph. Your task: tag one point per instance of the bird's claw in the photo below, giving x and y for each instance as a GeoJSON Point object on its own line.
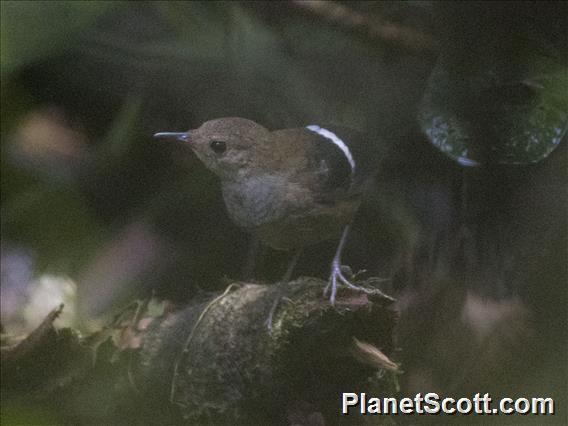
{"type": "Point", "coordinates": [338, 277]}
{"type": "Point", "coordinates": [268, 322]}
{"type": "Point", "coordinates": [277, 301]}
{"type": "Point", "coordinates": [347, 271]}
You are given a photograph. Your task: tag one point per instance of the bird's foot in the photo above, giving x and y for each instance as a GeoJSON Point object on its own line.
{"type": "Point", "coordinates": [282, 290]}
{"type": "Point", "coordinates": [270, 317]}
{"type": "Point", "coordinates": [337, 277]}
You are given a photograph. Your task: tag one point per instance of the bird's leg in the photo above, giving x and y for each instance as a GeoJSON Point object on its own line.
{"type": "Point", "coordinates": [253, 259]}
{"type": "Point", "coordinates": [291, 267]}
{"type": "Point", "coordinates": [336, 269]}
{"type": "Point", "coordinates": [337, 276]}
{"type": "Point", "coordinates": [285, 279]}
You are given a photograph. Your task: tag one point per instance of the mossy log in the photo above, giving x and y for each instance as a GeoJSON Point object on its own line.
{"type": "Point", "coordinates": [216, 361]}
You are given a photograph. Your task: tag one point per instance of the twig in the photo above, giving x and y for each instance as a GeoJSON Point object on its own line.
{"type": "Point", "coordinates": [405, 37]}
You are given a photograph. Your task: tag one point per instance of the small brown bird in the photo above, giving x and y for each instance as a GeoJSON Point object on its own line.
{"type": "Point", "coordinates": [291, 187]}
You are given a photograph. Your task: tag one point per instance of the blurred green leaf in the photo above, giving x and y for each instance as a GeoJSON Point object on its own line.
{"type": "Point", "coordinates": [55, 223]}
{"type": "Point", "coordinates": [497, 112]}
{"type": "Point", "coordinates": [15, 101]}
{"type": "Point", "coordinates": [123, 128]}
{"type": "Point", "coordinates": [28, 414]}
{"type": "Point", "coordinates": [34, 30]}
{"type": "Point", "coordinates": [201, 29]}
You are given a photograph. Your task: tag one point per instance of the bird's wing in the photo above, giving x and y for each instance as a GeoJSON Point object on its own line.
{"type": "Point", "coordinates": [349, 158]}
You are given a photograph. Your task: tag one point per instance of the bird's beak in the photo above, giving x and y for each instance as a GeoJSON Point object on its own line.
{"type": "Point", "coordinates": [181, 136]}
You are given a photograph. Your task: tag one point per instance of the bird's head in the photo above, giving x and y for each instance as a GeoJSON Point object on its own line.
{"type": "Point", "coordinates": [229, 147]}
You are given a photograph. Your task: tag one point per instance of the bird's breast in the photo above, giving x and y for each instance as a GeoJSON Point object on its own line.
{"type": "Point", "coordinates": [285, 215]}
{"type": "Point", "coordinates": [255, 201]}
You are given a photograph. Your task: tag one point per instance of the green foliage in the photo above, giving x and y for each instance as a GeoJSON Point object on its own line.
{"type": "Point", "coordinates": [499, 92]}
{"type": "Point", "coordinates": [32, 31]}
{"type": "Point", "coordinates": [209, 58]}
{"type": "Point", "coordinates": [121, 71]}
{"type": "Point", "coordinates": [54, 222]}
{"type": "Point", "coordinates": [484, 117]}
{"type": "Point", "coordinates": [120, 135]}
{"type": "Point", "coordinates": [28, 414]}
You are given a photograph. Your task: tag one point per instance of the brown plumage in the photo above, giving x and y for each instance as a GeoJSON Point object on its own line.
{"type": "Point", "coordinates": [292, 187]}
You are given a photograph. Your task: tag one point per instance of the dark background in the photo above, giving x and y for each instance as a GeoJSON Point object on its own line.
{"type": "Point", "coordinates": [97, 213]}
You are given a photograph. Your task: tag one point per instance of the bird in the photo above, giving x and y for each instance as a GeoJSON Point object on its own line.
{"type": "Point", "coordinates": [291, 188]}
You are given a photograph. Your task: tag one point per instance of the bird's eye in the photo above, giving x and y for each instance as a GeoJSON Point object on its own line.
{"type": "Point", "coordinates": [218, 147]}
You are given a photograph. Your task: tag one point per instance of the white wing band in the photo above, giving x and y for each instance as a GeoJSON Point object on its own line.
{"type": "Point", "coordinates": [338, 142]}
